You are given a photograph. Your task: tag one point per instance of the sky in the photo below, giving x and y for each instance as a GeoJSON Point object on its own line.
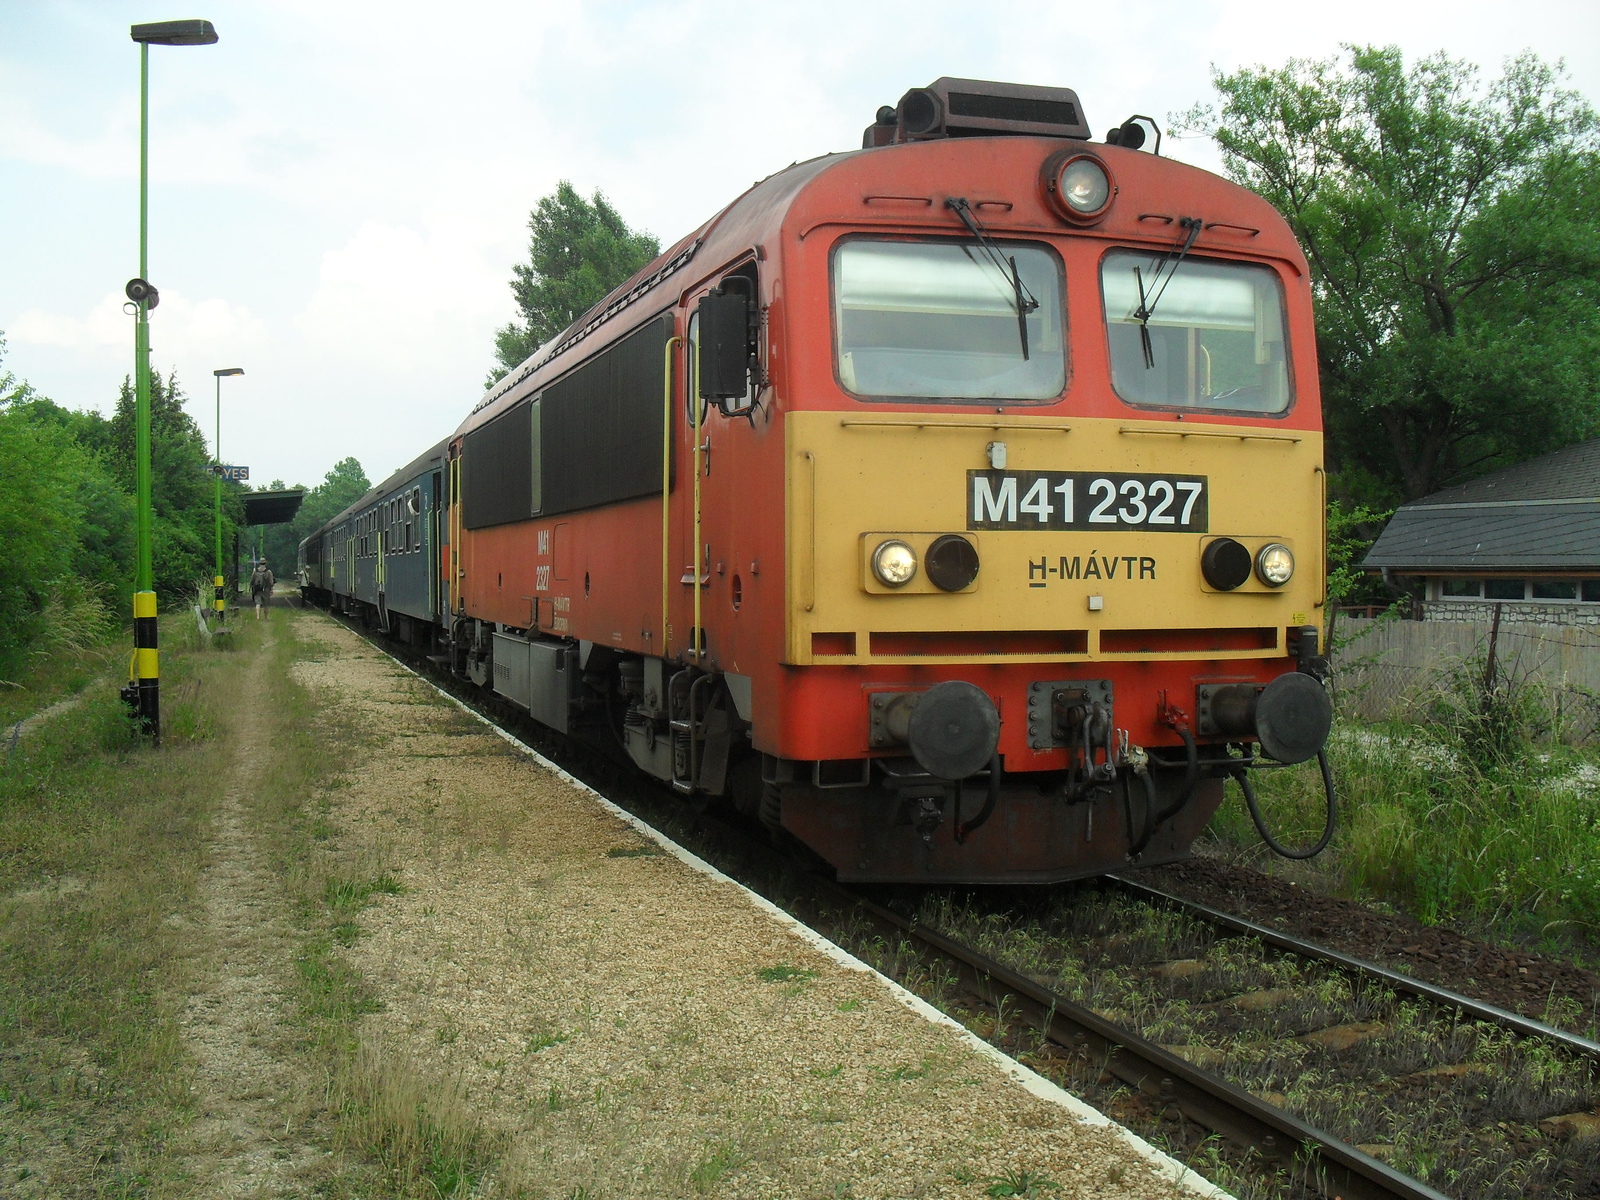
{"type": "Point", "coordinates": [339, 190]}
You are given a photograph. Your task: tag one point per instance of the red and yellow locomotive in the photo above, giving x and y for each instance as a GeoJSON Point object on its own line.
{"type": "Point", "coordinates": [955, 505]}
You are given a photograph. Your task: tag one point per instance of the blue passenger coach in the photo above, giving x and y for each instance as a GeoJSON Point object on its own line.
{"type": "Point", "coordinates": [381, 555]}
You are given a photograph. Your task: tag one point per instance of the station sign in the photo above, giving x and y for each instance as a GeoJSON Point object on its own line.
{"type": "Point", "coordinates": [237, 474]}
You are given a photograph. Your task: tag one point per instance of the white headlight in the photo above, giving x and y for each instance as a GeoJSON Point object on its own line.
{"type": "Point", "coordinates": [894, 563]}
{"type": "Point", "coordinates": [1274, 564]}
{"type": "Point", "coordinates": [1085, 186]}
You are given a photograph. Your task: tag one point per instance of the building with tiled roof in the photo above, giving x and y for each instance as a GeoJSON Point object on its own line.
{"type": "Point", "coordinates": [1526, 538]}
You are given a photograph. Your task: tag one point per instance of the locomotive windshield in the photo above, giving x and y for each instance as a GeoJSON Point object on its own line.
{"type": "Point", "coordinates": [938, 320]}
{"type": "Point", "coordinates": [1215, 341]}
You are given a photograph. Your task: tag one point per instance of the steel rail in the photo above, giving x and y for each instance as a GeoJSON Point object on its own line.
{"type": "Point", "coordinates": [1340, 1170]}
{"type": "Point", "coordinates": [1152, 1069]}
{"type": "Point", "coordinates": [1278, 940]}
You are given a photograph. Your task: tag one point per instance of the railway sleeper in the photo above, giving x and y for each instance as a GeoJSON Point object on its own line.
{"type": "Point", "coordinates": [1165, 1078]}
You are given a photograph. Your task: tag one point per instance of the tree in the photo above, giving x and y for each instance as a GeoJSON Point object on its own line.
{"type": "Point", "coordinates": [579, 251]}
{"type": "Point", "coordinates": [1453, 234]}
{"type": "Point", "coordinates": [340, 488]}
{"type": "Point", "coordinates": [182, 489]}
{"type": "Point", "coordinates": [66, 529]}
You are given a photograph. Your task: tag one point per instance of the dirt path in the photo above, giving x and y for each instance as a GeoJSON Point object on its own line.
{"type": "Point", "coordinates": [248, 1136]}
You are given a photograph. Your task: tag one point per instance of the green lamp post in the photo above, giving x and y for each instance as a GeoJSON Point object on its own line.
{"type": "Point", "coordinates": [222, 612]}
{"type": "Point", "coordinates": [144, 688]}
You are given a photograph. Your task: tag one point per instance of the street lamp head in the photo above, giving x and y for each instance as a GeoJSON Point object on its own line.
{"type": "Point", "coordinates": [228, 371]}
{"type": "Point", "coordinates": [175, 33]}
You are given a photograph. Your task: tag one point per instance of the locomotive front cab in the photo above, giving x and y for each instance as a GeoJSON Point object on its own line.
{"type": "Point", "coordinates": [1054, 496]}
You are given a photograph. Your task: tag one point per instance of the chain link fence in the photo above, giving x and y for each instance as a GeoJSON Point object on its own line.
{"type": "Point", "coordinates": [1387, 668]}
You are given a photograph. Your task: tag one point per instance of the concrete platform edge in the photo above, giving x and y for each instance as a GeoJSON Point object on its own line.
{"type": "Point", "coordinates": [1178, 1173]}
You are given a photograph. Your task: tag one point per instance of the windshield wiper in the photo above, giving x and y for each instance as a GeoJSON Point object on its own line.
{"type": "Point", "coordinates": [1147, 307]}
{"type": "Point", "coordinates": [1023, 298]}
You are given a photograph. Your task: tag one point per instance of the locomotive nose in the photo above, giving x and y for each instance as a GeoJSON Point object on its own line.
{"type": "Point", "coordinates": [954, 730]}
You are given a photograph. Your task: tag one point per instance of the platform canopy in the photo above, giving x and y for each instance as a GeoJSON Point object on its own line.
{"type": "Point", "coordinates": [272, 508]}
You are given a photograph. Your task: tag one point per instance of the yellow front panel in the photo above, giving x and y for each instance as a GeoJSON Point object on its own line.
{"type": "Point", "coordinates": [905, 475]}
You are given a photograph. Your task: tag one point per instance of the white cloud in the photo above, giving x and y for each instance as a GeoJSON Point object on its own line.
{"type": "Point", "coordinates": [182, 326]}
{"type": "Point", "coordinates": [390, 289]}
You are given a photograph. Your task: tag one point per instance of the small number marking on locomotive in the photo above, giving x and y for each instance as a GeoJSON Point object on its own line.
{"type": "Point", "coordinates": [1085, 500]}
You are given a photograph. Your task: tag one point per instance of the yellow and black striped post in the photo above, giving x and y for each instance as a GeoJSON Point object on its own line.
{"type": "Point", "coordinates": [144, 688]}
{"type": "Point", "coordinates": [221, 610]}
{"type": "Point", "coordinates": [147, 663]}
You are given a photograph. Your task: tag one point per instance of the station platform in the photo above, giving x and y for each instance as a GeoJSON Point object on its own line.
{"type": "Point", "coordinates": [630, 1022]}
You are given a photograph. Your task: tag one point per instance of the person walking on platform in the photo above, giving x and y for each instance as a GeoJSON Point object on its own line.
{"type": "Point", "coordinates": [261, 583]}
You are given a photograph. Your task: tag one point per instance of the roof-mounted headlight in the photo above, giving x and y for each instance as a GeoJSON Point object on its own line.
{"type": "Point", "coordinates": [1078, 185]}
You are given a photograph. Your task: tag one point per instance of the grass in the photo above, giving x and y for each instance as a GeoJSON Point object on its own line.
{"type": "Point", "coordinates": [102, 840]}
{"type": "Point", "coordinates": [79, 645]}
{"type": "Point", "coordinates": [1472, 813]}
{"type": "Point", "coordinates": [545, 1039]}
{"type": "Point", "coordinates": [719, 1160]}
{"type": "Point", "coordinates": [1020, 1183]}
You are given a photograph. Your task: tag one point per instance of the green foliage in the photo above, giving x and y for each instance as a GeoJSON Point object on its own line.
{"type": "Point", "coordinates": [1352, 528]}
{"type": "Point", "coordinates": [579, 251]}
{"type": "Point", "coordinates": [66, 528]}
{"type": "Point", "coordinates": [1020, 1183]}
{"type": "Point", "coordinates": [69, 528]}
{"type": "Point", "coordinates": [1452, 232]}
{"type": "Point", "coordinates": [343, 485]}
{"type": "Point", "coordinates": [1464, 820]}
{"type": "Point", "coordinates": [182, 489]}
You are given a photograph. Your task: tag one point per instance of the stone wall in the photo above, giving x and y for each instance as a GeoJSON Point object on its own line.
{"type": "Point", "coordinates": [1513, 612]}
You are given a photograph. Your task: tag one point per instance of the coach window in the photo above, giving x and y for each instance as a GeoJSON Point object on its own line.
{"type": "Point", "coordinates": [1200, 334]}
{"type": "Point", "coordinates": [949, 320]}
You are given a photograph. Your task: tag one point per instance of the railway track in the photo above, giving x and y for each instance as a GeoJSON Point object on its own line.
{"type": "Point", "coordinates": [1395, 980]}
{"type": "Point", "coordinates": [1282, 1146]}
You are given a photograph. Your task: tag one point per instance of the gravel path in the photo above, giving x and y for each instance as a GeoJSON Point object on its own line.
{"type": "Point", "coordinates": [630, 1027]}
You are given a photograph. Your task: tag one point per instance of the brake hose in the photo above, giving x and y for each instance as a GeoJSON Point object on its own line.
{"type": "Point", "coordinates": [1243, 776]}
{"type": "Point", "coordinates": [1191, 775]}
{"type": "Point", "coordinates": [992, 798]}
{"type": "Point", "coordinates": [1137, 848]}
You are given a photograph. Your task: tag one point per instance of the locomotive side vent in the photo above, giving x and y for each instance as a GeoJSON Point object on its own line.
{"type": "Point", "coordinates": [977, 108]}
